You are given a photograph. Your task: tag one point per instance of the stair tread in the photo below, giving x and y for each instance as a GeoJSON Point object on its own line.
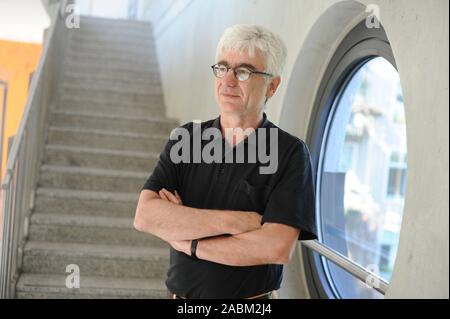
{"type": "Point", "coordinates": [131, 44]}
{"type": "Point", "coordinates": [151, 68]}
{"type": "Point", "coordinates": [111, 116]}
{"type": "Point", "coordinates": [82, 220]}
{"type": "Point", "coordinates": [113, 89]}
{"type": "Point", "coordinates": [92, 171]}
{"type": "Point", "coordinates": [113, 104]}
{"type": "Point", "coordinates": [106, 132]}
{"type": "Point", "coordinates": [144, 58]}
{"type": "Point", "coordinates": [29, 280]}
{"type": "Point", "coordinates": [95, 250]}
{"type": "Point", "coordinates": [112, 21]}
{"type": "Point", "coordinates": [102, 77]}
{"type": "Point", "coordinates": [93, 150]}
{"type": "Point", "coordinates": [96, 195]}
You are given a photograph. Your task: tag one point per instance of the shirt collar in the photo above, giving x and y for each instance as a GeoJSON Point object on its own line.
{"type": "Point", "coordinates": [264, 123]}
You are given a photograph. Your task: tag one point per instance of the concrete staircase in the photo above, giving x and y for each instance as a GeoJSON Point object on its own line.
{"type": "Point", "coordinates": [104, 138]}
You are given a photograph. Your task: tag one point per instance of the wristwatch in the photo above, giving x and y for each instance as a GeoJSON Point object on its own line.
{"type": "Point", "coordinates": [194, 244]}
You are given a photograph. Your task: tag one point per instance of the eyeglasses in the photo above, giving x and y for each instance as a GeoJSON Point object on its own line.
{"type": "Point", "coordinates": [241, 73]}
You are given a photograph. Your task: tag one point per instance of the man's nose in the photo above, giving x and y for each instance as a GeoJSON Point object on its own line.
{"type": "Point", "coordinates": [230, 79]}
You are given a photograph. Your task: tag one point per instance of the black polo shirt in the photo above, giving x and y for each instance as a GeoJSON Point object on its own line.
{"type": "Point", "coordinates": [285, 197]}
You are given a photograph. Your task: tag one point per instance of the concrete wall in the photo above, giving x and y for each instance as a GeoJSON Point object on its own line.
{"type": "Point", "coordinates": [154, 10]}
{"type": "Point", "coordinates": [116, 9]}
{"type": "Point", "coordinates": [418, 32]}
{"type": "Point", "coordinates": [23, 20]}
{"type": "Point", "coordinates": [148, 10]}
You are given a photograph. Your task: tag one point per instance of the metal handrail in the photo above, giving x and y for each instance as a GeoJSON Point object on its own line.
{"type": "Point", "coordinates": [371, 279]}
{"type": "Point", "coordinates": [2, 124]}
{"type": "Point", "coordinates": [25, 157]}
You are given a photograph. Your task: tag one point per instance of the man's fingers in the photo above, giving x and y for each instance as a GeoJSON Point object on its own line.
{"type": "Point", "coordinates": [171, 197]}
{"type": "Point", "coordinates": [178, 196]}
{"type": "Point", "coordinates": [163, 195]}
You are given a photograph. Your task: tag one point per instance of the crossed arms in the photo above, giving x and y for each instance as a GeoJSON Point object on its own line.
{"type": "Point", "coordinates": [234, 238]}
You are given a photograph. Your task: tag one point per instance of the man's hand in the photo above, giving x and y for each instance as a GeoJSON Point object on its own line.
{"type": "Point", "coordinates": [247, 221]}
{"type": "Point", "coordinates": [163, 214]}
{"type": "Point", "coordinates": [183, 246]}
{"type": "Point", "coordinates": [168, 196]}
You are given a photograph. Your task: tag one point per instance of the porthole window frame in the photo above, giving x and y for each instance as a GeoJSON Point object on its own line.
{"type": "Point", "coordinates": [359, 46]}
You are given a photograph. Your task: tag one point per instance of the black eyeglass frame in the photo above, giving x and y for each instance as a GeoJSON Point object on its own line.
{"type": "Point", "coordinates": [234, 71]}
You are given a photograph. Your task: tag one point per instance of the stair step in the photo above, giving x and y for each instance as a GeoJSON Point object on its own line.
{"type": "Point", "coordinates": [85, 203]}
{"type": "Point", "coordinates": [117, 34]}
{"type": "Point", "coordinates": [124, 60]}
{"type": "Point", "coordinates": [113, 27]}
{"type": "Point", "coordinates": [112, 71]}
{"type": "Point", "coordinates": [43, 286]}
{"type": "Point", "coordinates": [94, 102]}
{"type": "Point", "coordinates": [106, 139]}
{"type": "Point", "coordinates": [84, 57]}
{"type": "Point", "coordinates": [120, 88]}
{"type": "Point", "coordinates": [101, 158]}
{"type": "Point", "coordinates": [113, 32]}
{"type": "Point", "coordinates": [79, 52]}
{"type": "Point", "coordinates": [132, 124]}
{"type": "Point", "coordinates": [90, 230]}
{"type": "Point", "coordinates": [97, 179]}
{"type": "Point", "coordinates": [114, 85]}
{"type": "Point", "coordinates": [90, 22]}
{"type": "Point", "coordinates": [95, 260]}
{"type": "Point", "coordinates": [153, 95]}
{"type": "Point", "coordinates": [128, 117]}
{"type": "Point", "coordinates": [97, 82]}
{"type": "Point", "coordinates": [80, 105]}
{"type": "Point", "coordinates": [94, 78]}
{"type": "Point", "coordinates": [113, 50]}
{"type": "Point", "coordinates": [132, 42]}
{"type": "Point", "coordinates": [120, 61]}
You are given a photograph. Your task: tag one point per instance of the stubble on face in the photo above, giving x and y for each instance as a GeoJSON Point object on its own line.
{"type": "Point", "coordinates": [241, 99]}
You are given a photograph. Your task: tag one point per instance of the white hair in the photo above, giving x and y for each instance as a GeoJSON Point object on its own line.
{"type": "Point", "coordinates": [241, 37]}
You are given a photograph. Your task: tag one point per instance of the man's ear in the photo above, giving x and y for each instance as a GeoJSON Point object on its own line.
{"type": "Point", "coordinates": [273, 85]}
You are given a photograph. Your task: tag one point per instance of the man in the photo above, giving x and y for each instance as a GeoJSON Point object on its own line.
{"type": "Point", "coordinates": [231, 228]}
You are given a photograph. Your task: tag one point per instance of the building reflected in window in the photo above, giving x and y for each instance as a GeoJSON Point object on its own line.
{"type": "Point", "coordinates": [363, 175]}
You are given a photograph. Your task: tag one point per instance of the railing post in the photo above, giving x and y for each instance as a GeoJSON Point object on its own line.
{"type": "Point", "coordinates": [24, 158]}
{"type": "Point", "coordinates": [2, 128]}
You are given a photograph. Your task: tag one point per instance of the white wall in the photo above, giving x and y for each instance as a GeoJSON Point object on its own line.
{"type": "Point", "coordinates": [23, 20]}
{"type": "Point", "coordinates": [148, 10]}
{"type": "Point", "coordinates": [153, 10]}
{"type": "Point", "coordinates": [115, 9]}
{"type": "Point", "coordinates": [418, 32]}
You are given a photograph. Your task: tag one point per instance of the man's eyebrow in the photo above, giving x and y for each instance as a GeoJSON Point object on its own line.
{"type": "Point", "coordinates": [245, 65]}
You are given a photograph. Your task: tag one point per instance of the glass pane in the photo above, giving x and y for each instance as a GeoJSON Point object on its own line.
{"type": "Point", "coordinates": [363, 176]}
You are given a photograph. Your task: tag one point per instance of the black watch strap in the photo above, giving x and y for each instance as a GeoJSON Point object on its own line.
{"type": "Point", "coordinates": [194, 249]}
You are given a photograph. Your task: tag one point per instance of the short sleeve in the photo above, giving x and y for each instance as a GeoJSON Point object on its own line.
{"type": "Point", "coordinates": [292, 200]}
{"type": "Point", "coordinates": [164, 174]}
